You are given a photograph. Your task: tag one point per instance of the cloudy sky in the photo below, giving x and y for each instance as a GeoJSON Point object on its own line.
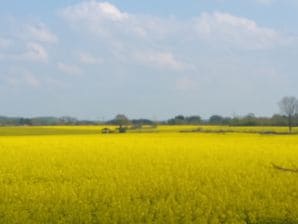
{"type": "Point", "coordinates": [155, 59]}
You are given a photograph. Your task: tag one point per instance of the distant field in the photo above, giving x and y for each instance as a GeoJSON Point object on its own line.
{"type": "Point", "coordinates": [91, 130]}
{"type": "Point", "coordinates": [78, 175]}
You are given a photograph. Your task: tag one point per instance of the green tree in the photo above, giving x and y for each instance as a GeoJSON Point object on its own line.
{"type": "Point", "coordinates": [122, 121]}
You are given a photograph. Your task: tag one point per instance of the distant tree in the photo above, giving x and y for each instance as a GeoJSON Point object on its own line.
{"type": "Point", "coordinates": [249, 120]}
{"type": "Point", "coordinates": [180, 119]}
{"type": "Point", "coordinates": [216, 119]}
{"type": "Point", "coordinates": [183, 120]}
{"type": "Point", "coordinates": [24, 121]}
{"type": "Point", "coordinates": [193, 120]}
{"type": "Point", "coordinates": [289, 107]}
{"type": "Point", "coordinates": [278, 120]}
{"type": "Point", "coordinates": [142, 122]}
{"type": "Point", "coordinates": [121, 120]}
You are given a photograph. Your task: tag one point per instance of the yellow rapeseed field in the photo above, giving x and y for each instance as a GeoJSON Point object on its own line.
{"type": "Point", "coordinates": [77, 175]}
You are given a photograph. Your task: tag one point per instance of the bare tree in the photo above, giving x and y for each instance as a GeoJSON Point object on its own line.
{"type": "Point", "coordinates": [289, 107]}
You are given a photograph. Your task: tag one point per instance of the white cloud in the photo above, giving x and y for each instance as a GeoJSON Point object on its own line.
{"type": "Point", "coordinates": [105, 19]}
{"type": "Point", "coordinates": [94, 11]}
{"type": "Point", "coordinates": [69, 69]}
{"type": "Point", "coordinates": [87, 58]}
{"type": "Point", "coordinates": [218, 28]}
{"type": "Point", "coordinates": [34, 52]}
{"type": "Point", "coordinates": [240, 32]}
{"type": "Point", "coordinates": [134, 38]}
{"type": "Point", "coordinates": [40, 32]}
{"type": "Point", "coordinates": [165, 60]}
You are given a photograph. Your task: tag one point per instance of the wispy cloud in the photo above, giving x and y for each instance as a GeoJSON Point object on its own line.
{"type": "Point", "coordinates": [221, 28]}
{"type": "Point", "coordinates": [240, 32]}
{"type": "Point", "coordinates": [89, 59]}
{"type": "Point", "coordinates": [164, 60]}
{"type": "Point", "coordinates": [34, 52]}
{"type": "Point", "coordinates": [18, 77]}
{"type": "Point", "coordinates": [105, 19]}
{"type": "Point", "coordinates": [69, 69]}
{"type": "Point", "coordinates": [40, 32]}
{"type": "Point", "coordinates": [27, 41]}
{"type": "Point", "coordinates": [93, 11]}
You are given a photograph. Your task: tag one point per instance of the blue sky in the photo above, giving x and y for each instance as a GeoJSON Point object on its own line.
{"type": "Point", "coordinates": [154, 59]}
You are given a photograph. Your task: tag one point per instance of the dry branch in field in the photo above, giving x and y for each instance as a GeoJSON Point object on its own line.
{"type": "Point", "coordinates": [285, 169]}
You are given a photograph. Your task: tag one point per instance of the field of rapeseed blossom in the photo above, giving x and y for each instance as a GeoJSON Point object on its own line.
{"type": "Point", "coordinates": [81, 176]}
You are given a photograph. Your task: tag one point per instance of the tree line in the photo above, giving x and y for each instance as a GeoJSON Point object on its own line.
{"type": "Point", "coordinates": [288, 116]}
{"type": "Point", "coordinates": [248, 120]}
{"type": "Point", "coordinates": [42, 121]}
